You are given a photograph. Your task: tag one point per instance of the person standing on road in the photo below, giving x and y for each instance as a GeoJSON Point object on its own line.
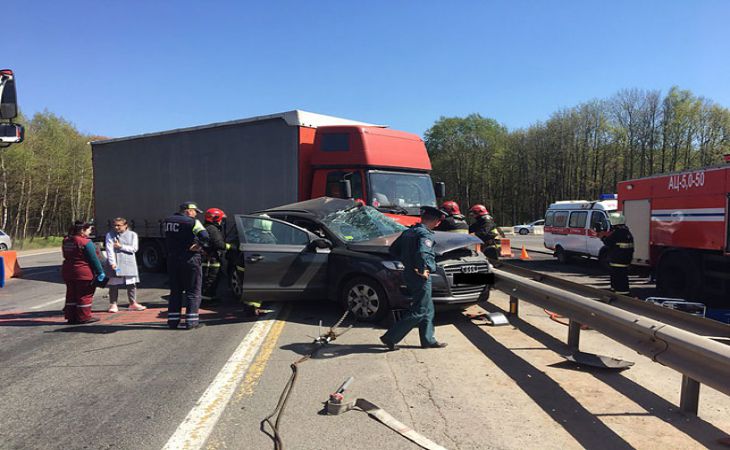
{"type": "Point", "coordinates": [213, 256]}
{"type": "Point", "coordinates": [485, 229]}
{"type": "Point", "coordinates": [620, 245]}
{"type": "Point", "coordinates": [186, 238]}
{"type": "Point", "coordinates": [81, 271]}
{"type": "Point", "coordinates": [454, 222]}
{"type": "Point", "coordinates": [414, 248]}
{"type": "Point", "coordinates": [121, 245]}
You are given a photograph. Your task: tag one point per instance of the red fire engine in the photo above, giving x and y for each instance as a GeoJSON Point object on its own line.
{"type": "Point", "coordinates": [681, 230]}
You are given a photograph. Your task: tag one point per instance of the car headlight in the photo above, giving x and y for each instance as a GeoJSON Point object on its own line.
{"type": "Point", "coordinates": [393, 265]}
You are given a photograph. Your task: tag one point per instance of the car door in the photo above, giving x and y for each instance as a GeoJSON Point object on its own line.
{"type": "Point", "coordinates": [577, 232]}
{"type": "Point", "coordinates": [595, 244]}
{"type": "Point", "coordinates": [280, 260]}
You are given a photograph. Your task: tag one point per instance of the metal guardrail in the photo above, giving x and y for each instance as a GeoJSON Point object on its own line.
{"type": "Point", "coordinates": [698, 358]}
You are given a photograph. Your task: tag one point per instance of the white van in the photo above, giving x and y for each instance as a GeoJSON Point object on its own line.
{"type": "Point", "coordinates": [572, 228]}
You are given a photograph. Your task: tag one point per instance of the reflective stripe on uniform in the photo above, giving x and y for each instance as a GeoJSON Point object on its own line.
{"type": "Point", "coordinates": [240, 269]}
{"type": "Point", "coordinates": [622, 292]}
{"type": "Point", "coordinates": [191, 315]}
{"type": "Point", "coordinates": [211, 264]}
{"type": "Point", "coordinates": [198, 227]}
{"type": "Point", "coordinates": [624, 245]}
{"type": "Point", "coordinates": [618, 265]}
{"type": "Point", "coordinates": [228, 246]}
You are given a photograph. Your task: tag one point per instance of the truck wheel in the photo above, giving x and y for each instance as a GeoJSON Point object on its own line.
{"type": "Point", "coordinates": [524, 231]}
{"type": "Point", "coordinates": [152, 256]}
{"type": "Point", "coordinates": [365, 299]}
{"type": "Point", "coordinates": [678, 276]}
{"type": "Point", "coordinates": [562, 255]}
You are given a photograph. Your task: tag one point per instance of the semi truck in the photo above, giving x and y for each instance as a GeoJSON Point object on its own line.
{"type": "Point", "coordinates": [10, 133]}
{"type": "Point", "coordinates": [252, 164]}
{"type": "Point", "coordinates": [681, 230]}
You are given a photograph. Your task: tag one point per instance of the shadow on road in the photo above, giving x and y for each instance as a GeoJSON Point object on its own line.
{"type": "Point", "coordinates": [655, 405]}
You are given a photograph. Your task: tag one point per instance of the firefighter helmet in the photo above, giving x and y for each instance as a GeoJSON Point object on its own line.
{"type": "Point", "coordinates": [479, 210]}
{"type": "Point", "coordinates": [451, 207]}
{"type": "Point", "coordinates": [616, 218]}
{"type": "Point", "coordinates": [214, 215]}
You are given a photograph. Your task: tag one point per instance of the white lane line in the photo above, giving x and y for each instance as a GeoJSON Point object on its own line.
{"type": "Point", "coordinates": [58, 300]}
{"type": "Point", "coordinates": [197, 426]}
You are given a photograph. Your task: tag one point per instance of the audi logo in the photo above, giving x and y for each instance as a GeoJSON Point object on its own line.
{"type": "Point", "coordinates": [469, 269]}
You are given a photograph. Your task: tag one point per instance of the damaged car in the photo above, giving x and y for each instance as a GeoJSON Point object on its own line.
{"type": "Point", "coordinates": [338, 249]}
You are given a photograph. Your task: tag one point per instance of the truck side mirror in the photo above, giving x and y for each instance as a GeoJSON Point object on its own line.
{"type": "Point", "coordinates": [11, 133]}
{"type": "Point", "coordinates": [346, 188]}
{"type": "Point", "coordinates": [8, 99]}
{"type": "Point", "coordinates": [440, 189]}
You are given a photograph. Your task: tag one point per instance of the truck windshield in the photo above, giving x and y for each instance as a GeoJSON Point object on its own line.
{"type": "Point", "coordinates": [361, 224]}
{"type": "Point", "coordinates": [399, 192]}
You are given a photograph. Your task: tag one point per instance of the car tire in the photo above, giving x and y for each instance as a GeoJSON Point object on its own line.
{"type": "Point", "coordinates": [562, 255]}
{"type": "Point", "coordinates": [524, 231]}
{"type": "Point", "coordinates": [365, 299]}
{"type": "Point", "coordinates": [235, 282]}
{"type": "Point", "coordinates": [3, 247]}
{"type": "Point", "coordinates": [151, 256]}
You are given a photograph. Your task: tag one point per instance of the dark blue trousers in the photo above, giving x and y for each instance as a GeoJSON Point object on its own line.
{"type": "Point", "coordinates": [186, 279]}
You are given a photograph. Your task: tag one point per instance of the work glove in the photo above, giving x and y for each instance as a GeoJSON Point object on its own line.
{"type": "Point", "coordinates": [101, 278]}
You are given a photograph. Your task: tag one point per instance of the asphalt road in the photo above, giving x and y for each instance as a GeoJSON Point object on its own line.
{"type": "Point", "coordinates": [127, 382]}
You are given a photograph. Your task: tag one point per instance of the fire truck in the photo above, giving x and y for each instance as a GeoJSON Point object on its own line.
{"type": "Point", "coordinates": [681, 230]}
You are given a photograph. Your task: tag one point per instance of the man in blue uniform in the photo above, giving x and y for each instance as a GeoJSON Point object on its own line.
{"type": "Point", "coordinates": [186, 238]}
{"type": "Point", "coordinates": [414, 248]}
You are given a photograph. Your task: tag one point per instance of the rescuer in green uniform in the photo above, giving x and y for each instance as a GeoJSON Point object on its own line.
{"type": "Point", "coordinates": [414, 248]}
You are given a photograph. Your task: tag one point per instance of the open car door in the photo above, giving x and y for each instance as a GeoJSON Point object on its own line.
{"type": "Point", "coordinates": [281, 261]}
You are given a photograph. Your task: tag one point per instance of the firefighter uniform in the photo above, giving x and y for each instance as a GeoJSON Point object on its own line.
{"type": "Point", "coordinates": [182, 233]}
{"type": "Point", "coordinates": [212, 260]}
{"type": "Point", "coordinates": [620, 245]}
{"type": "Point", "coordinates": [454, 223]}
{"type": "Point", "coordinates": [414, 249]}
{"type": "Point", "coordinates": [485, 229]}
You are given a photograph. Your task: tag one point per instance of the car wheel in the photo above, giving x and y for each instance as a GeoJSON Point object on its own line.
{"type": "Point", "coordinates": [524, 231]}
{"type": "Point", "coordinates": [365, 299]}
{"type": "Point", "coordinates": [562, 255]}
{"type": "Point", "coordinates": [235, 282]}
{"type": "Point", "coordinates": [3, 247]}
{"type": "Point", "coordinates": [152, 256]}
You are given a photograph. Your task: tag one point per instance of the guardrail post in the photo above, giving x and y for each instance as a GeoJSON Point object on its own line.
{"type": "Point", "coordinates": [514, 305]}
{"type": "Point", "coordinates": [689, 398]}
{"type": "Point", "coordinates": [573, 334]}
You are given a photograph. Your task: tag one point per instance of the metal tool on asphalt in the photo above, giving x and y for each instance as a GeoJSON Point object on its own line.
{"type": "Point", "coordinates": [336, 405]}
{"type": "Point", "coordinates": [319, 342]}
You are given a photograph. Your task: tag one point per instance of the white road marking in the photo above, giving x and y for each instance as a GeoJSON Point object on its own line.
{"type": "Point", "coordinates": [58, 300]}
{"type": "Point", "coordinates": [197, 426]}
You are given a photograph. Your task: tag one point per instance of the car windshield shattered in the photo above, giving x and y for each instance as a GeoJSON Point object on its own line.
{"type": "Point", "coordinates": [361, 224]}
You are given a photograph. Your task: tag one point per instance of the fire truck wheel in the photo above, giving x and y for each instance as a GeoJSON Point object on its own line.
{"type": "Point", "coordinates": [678, 275]}
{"type": "Point", "coordinates": [562, 255]}
{"type": "Point", "coordinates": [365, 299]}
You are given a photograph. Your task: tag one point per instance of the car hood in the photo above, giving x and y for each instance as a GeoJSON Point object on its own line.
{"type": "Point", "coordinates": [445, 242]}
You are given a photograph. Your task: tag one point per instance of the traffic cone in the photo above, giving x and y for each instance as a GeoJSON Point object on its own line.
{"type": "Point", "coordinates": [524, 256]}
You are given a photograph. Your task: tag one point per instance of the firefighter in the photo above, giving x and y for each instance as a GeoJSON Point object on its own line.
{"type": "Point", "coordinates": [213, 256]}
{"type": "Point", "coordinates": [186, 239]}
{"type": "Point", "coordinates": [454, 222]}
{"type": "Point", "coordinates": [485, 229]}
{"type": "Point", "coordinates": [414, 248]}
{"type": "Point", "coordinates": [620, 245]}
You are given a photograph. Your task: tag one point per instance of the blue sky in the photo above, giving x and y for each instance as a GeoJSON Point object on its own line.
{"type": "Point", "coordinates": [122, 68]}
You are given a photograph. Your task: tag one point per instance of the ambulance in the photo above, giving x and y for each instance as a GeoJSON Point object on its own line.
{"type": "Point", "coordinates": [573, 227]}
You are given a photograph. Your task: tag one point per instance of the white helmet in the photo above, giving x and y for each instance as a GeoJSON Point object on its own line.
{"type": "Point", "coordinates": [616, 218]}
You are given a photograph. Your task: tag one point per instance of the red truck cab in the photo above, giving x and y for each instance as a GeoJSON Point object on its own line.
{"type": "Point", "coordinates": [387, 169]}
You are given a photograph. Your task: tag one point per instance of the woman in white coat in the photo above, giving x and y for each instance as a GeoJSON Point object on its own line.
{"type": "Point", "coordinates": [121, 246]}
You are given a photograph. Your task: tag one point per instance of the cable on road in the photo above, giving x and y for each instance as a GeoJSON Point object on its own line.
{"type": "Point", "coordinates": [273, 420]}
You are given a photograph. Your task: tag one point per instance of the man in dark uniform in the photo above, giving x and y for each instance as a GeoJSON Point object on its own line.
{"type": "Point", "coordinates": [454, 222]}
{"type": "Point", "coordinates": [185, 237]}
{"type": "Point", "coordinates": [214, 252]}
{"type": "Point", "coordinates": [414, 248]}
{"type": "Point", "coordinates": [620, 245]}
{"type": "Point", "coordinates": [485, 229]}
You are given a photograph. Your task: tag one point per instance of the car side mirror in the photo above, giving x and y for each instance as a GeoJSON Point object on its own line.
{"type": "Point", "coordinates": [320, 243]}
{"type": "Point", "coordinates": [440, 189]}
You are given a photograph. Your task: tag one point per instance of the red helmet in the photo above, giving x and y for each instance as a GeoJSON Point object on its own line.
{"type": "Point", "coordinates": [479, 210]}
{"type": "Point", "coordinates": [451, 207]}
{"type": "Point", "coordinates": [214, 215]}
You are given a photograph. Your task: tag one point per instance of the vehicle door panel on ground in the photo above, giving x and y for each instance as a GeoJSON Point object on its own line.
{"type": "Point", "coordinates": [280, 262]}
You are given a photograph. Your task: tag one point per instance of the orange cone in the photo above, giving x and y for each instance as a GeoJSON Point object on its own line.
{"type": "Point", "coordinates": [524, 256]}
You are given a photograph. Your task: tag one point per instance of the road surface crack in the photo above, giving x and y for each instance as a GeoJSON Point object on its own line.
{"type": "Point", "coordinates": [429, 390]}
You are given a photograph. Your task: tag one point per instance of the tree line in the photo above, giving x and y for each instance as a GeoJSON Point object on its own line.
{"type": "Point", "coordinates": [46, 181]}
{"type": "Point", "coordinates": [578, 153]}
